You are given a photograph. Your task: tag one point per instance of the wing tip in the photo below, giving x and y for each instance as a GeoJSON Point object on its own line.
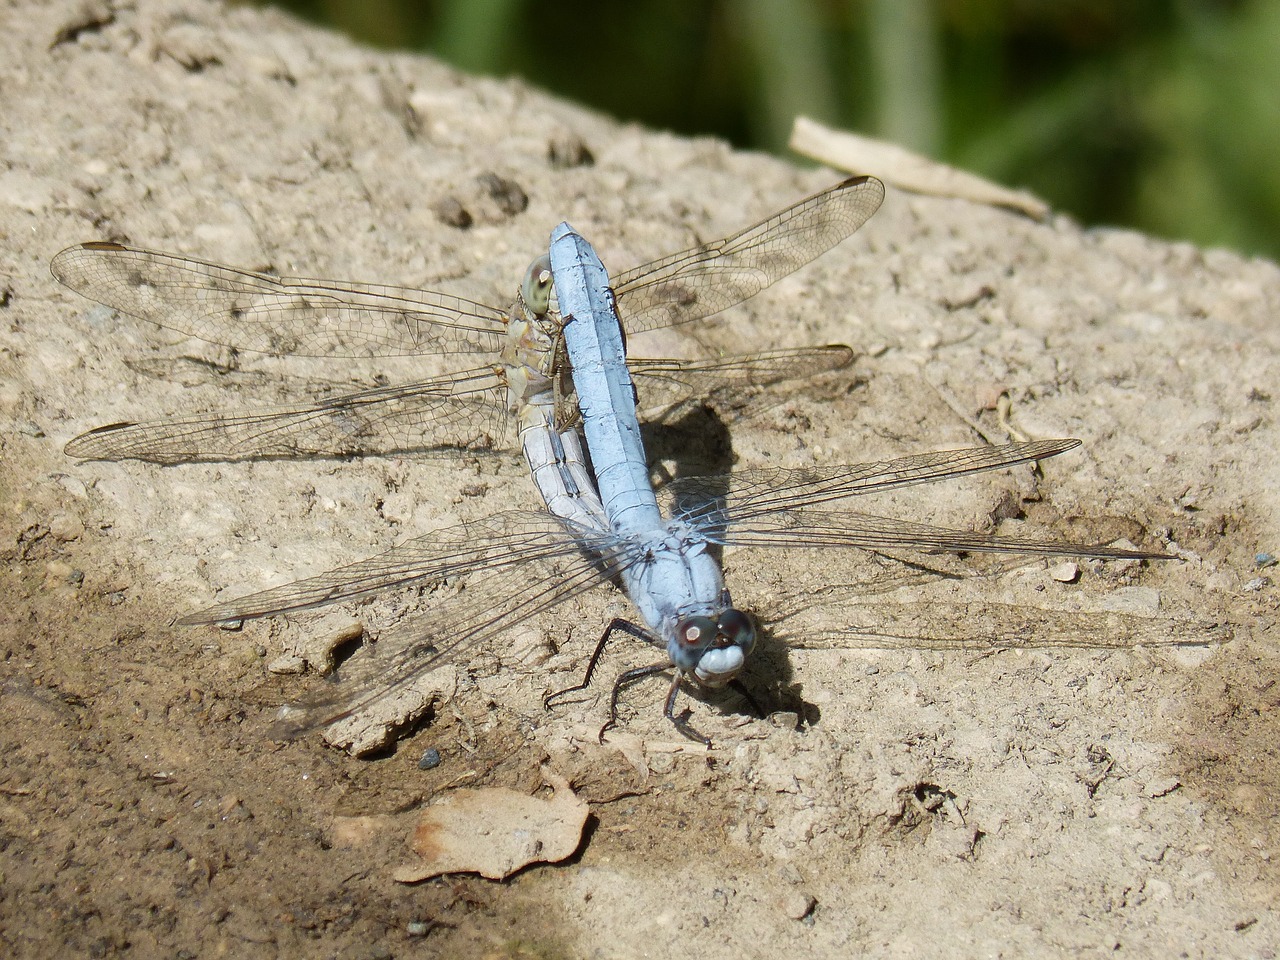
{"type": "Point", "coordinates": [92, 246]}
{"type": "Point", "coordinates": [88, 445]}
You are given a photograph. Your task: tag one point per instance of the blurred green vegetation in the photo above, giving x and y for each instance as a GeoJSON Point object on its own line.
{"type": "Point", "coordinates": [1162, 115]}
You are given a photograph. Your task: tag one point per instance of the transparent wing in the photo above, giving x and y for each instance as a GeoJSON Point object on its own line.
{"type": "Point", "coordinates": [517, 564]}
{"type": "Point", "coordinates": [281, 316]}
{"type": "Point", "coordinates": [767, 508]}
{"type": "Point", "coordinates": [713, 276]}
{"type": "Point", "coordinates": [504, 541]}
{"type": "Point", "coordinates": [492, 600]}
{"type": "Point", "coordinates": [813, 528]}
{"type": "Point", "coordinates": [665, 383]}
{"type": "Point", "coordinates": [439, 416]}
{"type": "Point", "coordinates": [828, 620]}
{"type": "Point", "coordinates": [750, 493]}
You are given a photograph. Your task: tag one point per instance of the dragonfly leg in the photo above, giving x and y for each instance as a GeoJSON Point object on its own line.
{"type": "Point", "coordinates": [617, 623]}
{"type": "Point", "coordinates": [681, 722]}
{"type": "Point", "coordinates": [625, 680]}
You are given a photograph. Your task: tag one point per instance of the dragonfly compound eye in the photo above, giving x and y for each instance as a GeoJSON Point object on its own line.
{"type": "Point", "coordinates": [696, 632]}
{"type": "Point", "coordinates": [716, 650]}
{"type": "Point", "coordinates": [736, 629]}
{"type": "Point", "coordinates": [535, 291]}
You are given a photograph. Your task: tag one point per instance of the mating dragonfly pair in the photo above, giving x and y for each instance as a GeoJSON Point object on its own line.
{"type": "Point", "coordinates": [556, 371]}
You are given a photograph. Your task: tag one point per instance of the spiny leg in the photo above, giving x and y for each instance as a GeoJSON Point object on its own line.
{"type": "Point", "coordinates": [681, 722]}
{"type": "Point", "coordinates": [617, 623]}
{"type": "Point", "coordinates": [627, 679]}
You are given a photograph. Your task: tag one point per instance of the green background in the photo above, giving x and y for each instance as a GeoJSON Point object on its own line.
{"type": "Point", "coordinates": [1160, 115]}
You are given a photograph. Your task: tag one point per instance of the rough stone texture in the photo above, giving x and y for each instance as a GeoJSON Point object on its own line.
{"type": "Point", "coordinates": [1051, 800]}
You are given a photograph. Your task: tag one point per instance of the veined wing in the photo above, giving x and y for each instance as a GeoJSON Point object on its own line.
{"type": "Point", "coordinates": [448, 630]}
{"type": "Point", "coordinates": [282, 316]}
{"type": "Point", "coordinates": [665, 383]}
{"type": "Point", "coordinates": [746, 494]}
{"type": "Point", "coordinates": [844, 623]}
{"type": "Point", "coordinates": [518, 565]}
{"type": "Point", "coordinates": [768, 507]}
{"type": "Point", "coordinates": [493, 600]}
{"type": "Point", "coordinates": [501, 542]}
{"type": "Point", "coordinates": [815, 528]}
{"type": "Point", "coordinates": [440, 416]}
{"type": "Point", "coordinates": [709, 278]}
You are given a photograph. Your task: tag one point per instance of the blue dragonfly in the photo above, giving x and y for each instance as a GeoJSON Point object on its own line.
{"type": "Point", "coordinates": [668, 564]}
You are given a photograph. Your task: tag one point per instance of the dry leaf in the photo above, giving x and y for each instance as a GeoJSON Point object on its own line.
{"type": "Point", "coordinates": [495, 832]}
{"type": "Point", "coordinates": [902, 168]}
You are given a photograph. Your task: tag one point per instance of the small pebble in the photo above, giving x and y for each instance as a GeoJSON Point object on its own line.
{"type": "Point", "coordinates": [58, 569]}
{"type": "Point", "coordinates": [430, 759]}
{"type": "Point", "coordinates": [798, 905]}
{"type": "Point", "coordinates": [451, 212]}
{"type": "Point", "coordinates": [66, 527]}
{"type": "Point", "coordinates": [785, 719]}
{"type": "Point", "coordinates": [417, 928]}
{"type": "Point", "coordinates": [1068, 572]}
{"type": "Point", "coordinates": [569, 150]}
{"type": "Point", "coordinates": [661, 763]}
{"type": "Point", "coordinates": [287, 663]}
{"type": "Point", "coordinates": [73, 486]}
{"type": "Point", "coordinates": [507, 194]}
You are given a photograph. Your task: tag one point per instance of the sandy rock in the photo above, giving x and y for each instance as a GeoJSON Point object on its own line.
{"type": "Point", "coordinates": [948, 783]}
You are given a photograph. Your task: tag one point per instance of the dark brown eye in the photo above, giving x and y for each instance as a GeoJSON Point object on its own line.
{"type": "Point", "coordinates": [736, 630]}
{"type": "Point", "coordinates": [734, 624]}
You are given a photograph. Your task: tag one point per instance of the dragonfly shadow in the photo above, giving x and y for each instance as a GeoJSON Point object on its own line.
{"type": "Point", "coordinates": [693, 441]}
{"type": "Point", "coordinates": [771, 679]}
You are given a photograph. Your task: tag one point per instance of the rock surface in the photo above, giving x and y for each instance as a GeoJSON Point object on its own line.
{"type": "Point", "coordinates": [1081, 786]}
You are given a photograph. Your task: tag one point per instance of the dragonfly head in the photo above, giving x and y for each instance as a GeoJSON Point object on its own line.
{"type": "Point", "coordinates": [713, 649]}
{"type": "Point", "coordinates": [535, 291]}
